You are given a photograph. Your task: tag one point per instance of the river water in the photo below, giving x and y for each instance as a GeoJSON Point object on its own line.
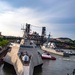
{"type": "Point", "coordinates": [60, 66]}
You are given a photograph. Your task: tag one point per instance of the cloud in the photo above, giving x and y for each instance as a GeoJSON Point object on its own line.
{"type": "Point", "coordinates": [60, 8]}
{"type": "Point", "coordinates": [11, 19]}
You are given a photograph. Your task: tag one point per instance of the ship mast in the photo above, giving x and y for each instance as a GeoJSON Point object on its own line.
{"type": "Point", "coordinates": [26, 30]}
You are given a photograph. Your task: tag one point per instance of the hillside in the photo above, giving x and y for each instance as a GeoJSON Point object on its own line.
{"type": "Point", "coordinates": [66, 43]}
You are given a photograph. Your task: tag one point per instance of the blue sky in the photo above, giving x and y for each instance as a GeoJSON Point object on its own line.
{"type": "Point", "coordinates": [58, 16]}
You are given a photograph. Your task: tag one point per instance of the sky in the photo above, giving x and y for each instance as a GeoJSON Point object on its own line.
{"type": "Point", "coordinates": [58, 16]}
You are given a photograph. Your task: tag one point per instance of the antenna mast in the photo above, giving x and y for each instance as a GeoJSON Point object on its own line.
{"type": "Point", "coordinates": [26, 30]}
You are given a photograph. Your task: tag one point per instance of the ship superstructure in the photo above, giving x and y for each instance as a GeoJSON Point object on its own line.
{"type": "Point", "coordinates": [17, 53]}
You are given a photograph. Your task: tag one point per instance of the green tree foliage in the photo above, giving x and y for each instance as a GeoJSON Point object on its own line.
{"type": "Point", "coordinates": [73, 42]}
{"type": "Point", "coordinates": [3, 42]}
{"type": "Point", "coordinates": [1, 39]}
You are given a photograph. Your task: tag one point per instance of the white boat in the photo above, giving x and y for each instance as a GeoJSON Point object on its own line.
{"type": "Point", "coordinates": [50, 47]}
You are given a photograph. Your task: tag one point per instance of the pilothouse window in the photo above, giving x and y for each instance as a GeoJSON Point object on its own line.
{"type": "Point", "coordinates": [22, 46]}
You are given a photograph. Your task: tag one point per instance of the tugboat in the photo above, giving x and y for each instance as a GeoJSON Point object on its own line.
{"type": "Point", "coordinates": [24, 56]}
{"type": "Point", "coordinates": [47, 56]}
